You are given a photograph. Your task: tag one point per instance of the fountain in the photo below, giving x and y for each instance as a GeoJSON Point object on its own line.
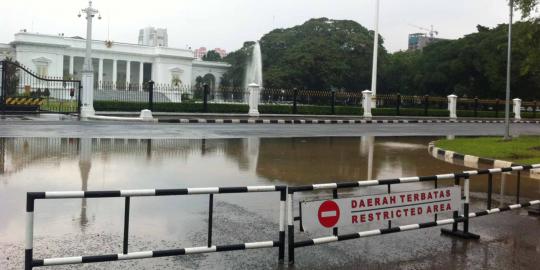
{"type": "Point", "coordinates": [253, 81]}
{"type": "Point", "coordinates": [254, 68]}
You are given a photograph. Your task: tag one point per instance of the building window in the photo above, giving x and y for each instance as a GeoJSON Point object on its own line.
{"type": "Point", "coordinates": [42, 70]}
{"type": "Point", "coordinates": [42, 66]}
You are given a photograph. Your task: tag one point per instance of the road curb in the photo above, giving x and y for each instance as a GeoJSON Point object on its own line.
{"type": "Point", "coordinates": [328, 121]}
{"type": "Point", "coordinates": [473, 161]}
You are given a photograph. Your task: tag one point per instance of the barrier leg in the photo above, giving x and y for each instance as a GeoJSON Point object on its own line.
{"type": "Point", "coordinates": [282, 201]}
{"type": "Point", "coordinates": [29, 241]}
{"type": "Point", "coordinates": [465, 234]}
{"type": "Point", "coordinates": [335, 196]}
{"type": "Point", "coordinates": [126, 225]}
{"type": "Point", "coordinates": [210, 218]}
{"type": "Point", "coordinates": [290, 227]}
{"type": "Point", "coordinates": [490, 190]}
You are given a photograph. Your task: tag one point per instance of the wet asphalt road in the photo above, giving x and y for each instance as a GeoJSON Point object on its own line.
{"type": "Point", "coordinates": [508, 240]}
{"type": "Point", "coordinates": [76, 129]}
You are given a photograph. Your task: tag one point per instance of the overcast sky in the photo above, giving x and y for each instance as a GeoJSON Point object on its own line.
{"type": "Point", "coordinates": [228, 23]}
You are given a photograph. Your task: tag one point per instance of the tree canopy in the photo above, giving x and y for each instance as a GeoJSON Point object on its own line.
{"type": "Point", "coordinates": [474, 65]}
{"type": "Point", "coordinates": [526, 6]}
{"type": "Point", "coordinates": [325, 54]}
{"type": "Point", "coordinates": [319, 54]}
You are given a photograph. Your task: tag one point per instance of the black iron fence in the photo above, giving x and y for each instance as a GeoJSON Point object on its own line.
{"type": "Point", "coordinates": [202, 98]}
{"type": "Point", "coordinates": [24, 91]}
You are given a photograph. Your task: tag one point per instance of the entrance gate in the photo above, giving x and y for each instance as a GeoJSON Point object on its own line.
{"type": "Point", "coordinates": [24, 91]}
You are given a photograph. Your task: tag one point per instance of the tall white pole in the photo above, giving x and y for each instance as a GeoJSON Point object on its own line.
{"type": "Point", "coordinates": [508, 66]}
{"type": "Point", "coordinates": [375, 57]}
{"type": "Point", "coordinates": [87, 95]}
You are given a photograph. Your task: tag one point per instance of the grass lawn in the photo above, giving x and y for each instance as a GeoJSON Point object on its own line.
{"type": "Point", "coordinates": [524, 150]}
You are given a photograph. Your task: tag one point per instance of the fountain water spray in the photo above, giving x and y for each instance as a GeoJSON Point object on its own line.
{"type": "Point", "coordinates": [254, 67]}
{"type": "Point", "coordinates": [254, 80]}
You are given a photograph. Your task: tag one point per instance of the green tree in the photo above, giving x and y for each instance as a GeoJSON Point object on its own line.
{"type": "Point", "coordinates": [212, 56]}
{"type": "Point", "coordinates": [474, 65]}
{"type": "Point", "coordinates": [12, 76]}
{"type": "Point", "coordinates": [526, 6]}
{"type": "Point", "coordinates": [319, 54]}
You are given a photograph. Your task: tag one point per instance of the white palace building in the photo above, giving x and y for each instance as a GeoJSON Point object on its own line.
{"type": "Point", "coordinates": [114, 62]}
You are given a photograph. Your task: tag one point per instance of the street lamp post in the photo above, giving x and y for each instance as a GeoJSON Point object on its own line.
{"type": "Point", "coordinates": [87, 108]}
{"type": "Point", "coordinates": [508, 65]}
{"type": "Point", "coordinates": [375, 57]}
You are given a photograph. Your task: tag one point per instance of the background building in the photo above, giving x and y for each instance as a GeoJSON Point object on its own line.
{"type": "Point", "coordinates": [155, 37]}
{"type": "Point", "coordinates": [221, 52]}
{"type": "Point", "coordinates": [114, 62]}
{"type": "Point", "coordinates": [202, 51]}
{"type": "Point", "coordinates": [418, 41]}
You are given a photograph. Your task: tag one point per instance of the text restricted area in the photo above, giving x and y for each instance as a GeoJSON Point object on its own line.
{"type": "Point", "coordinates": [375, 208]}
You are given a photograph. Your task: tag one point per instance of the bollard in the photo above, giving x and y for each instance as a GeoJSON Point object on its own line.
{"type": "Point", "coordinates": [151, 95]}
{"type": "Point", "coordinates": [366, 103]}
{"type": "Point", "coordinates": [452, 103]}
{"type": "Point", "coordinates": [206, 89]}
{"type": "Point", "coordinates": [254, 95]}
{"type": "Point", "coordinates": [517, 108]}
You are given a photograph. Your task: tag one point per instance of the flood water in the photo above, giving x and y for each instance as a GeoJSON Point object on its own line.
{"type": "Point", "coordinates": [75, 227]}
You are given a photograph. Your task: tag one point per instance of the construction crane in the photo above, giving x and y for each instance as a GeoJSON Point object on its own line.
{"type": "Point", "coordinates": [431, 32]}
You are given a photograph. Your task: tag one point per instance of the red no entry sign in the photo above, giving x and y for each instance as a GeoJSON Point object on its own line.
{"type": "Point", "coordinates": [354, 211]}
{"type": "Point", "coordinates": [328, 214]}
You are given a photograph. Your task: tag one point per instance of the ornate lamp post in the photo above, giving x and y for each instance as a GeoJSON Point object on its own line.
{"type": "Point", "coordinates": [87, 108]}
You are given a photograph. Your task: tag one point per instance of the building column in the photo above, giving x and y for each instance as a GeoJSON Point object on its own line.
{"type": "Point", "coordinates": [71, 64]}
{"type": "Point", "coordinates": [100, 74]}
{"type": "Point", "coordinates": [141, 69]}
{"type": "Point", "coordinates": [128, 74]}
{"type": "Point", "coordinates": [114, 73]}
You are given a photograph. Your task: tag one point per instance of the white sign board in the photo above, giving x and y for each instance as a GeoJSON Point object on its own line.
{"type": "Point", "coordinates": [376, 208]}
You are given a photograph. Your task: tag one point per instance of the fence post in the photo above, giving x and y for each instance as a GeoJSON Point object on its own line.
{"type": "Point", "coordinates": [534, 109]}
{"type": "Point", "coordinates": [398, 103]}
{"type": "Point", "coordinates": [333, 101]}
{"type": "Point", "coordinates": [496, 108]}
{"type": "Point", "coordinates": [366, 103]}
{"type": "Point", "coordinates": [295, 96]}
{"type": "Point", "coordinates": [2, 83]}
{"type": "Point", "coordinates": [452, 103]}
{"type": "Point", "coordinates": [151, 95]}
{"type": "Point", "coordinates": [79, 99]}
{"type": "Point", "coordinates": [206, 89]}
{"type": "Point", "coordinates": [426, 104]}
{"type": "Point", "coordinates": [254, 96]}
{"type": "Point", "coordinates": [475, 106]}
{"type": "Point", "coordinates": [517, 108]}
